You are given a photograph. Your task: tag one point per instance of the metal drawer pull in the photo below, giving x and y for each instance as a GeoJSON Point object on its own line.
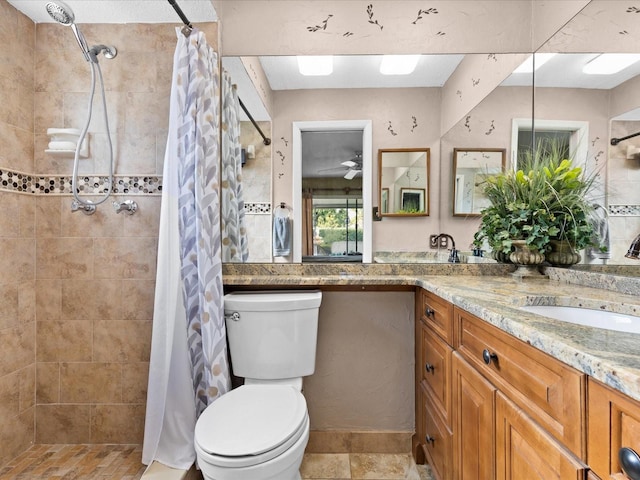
{"type": "Point", "coordinates": [429, 312]}
{"type": "Point", "coordinates": [429, 368]}
{"type": "Point", "coordinates": [431, 440]}
{"type": "Point", "coordinates": [487, 356]}
{"type": "Point", "coordinates": [630, 462]}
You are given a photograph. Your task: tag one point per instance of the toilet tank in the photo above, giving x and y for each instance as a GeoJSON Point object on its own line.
{"type": "Point", "coordinates": [272, 334]}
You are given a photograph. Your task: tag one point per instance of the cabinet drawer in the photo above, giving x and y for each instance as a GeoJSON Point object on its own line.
{"type": "Point", "coordinates": [438, 314]}
{"type": "Point", "coordinates": [524, 450]}
{"type": "Point", "coordinates": [437, 442]}
{"type": "Point", "coordinates": [551, 392]}
{"type": "Point", "coordinates": [614, 422]}
{"type": "Point", "coordinates": [436, 371]}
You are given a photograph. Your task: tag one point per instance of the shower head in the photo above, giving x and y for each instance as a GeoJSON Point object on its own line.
{"type": "Point", "coordinates": [62, 13]}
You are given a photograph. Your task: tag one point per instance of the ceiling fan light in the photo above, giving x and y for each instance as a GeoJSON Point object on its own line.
{"type": "Point", "coordinates": [315, 65]}
{"type": "Point", "coordinates": [351, 174]}
{"type": "Point", "coordinates": [349, 163]}
{"type": "Point", "coordinates": [398, 64]}
{"type": "Point", "coordinates": [610, 63]}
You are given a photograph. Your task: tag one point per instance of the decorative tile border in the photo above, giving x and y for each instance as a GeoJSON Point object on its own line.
{"type": "Point", "coordinates": [624, 210]}
{"type": "Point", "coordinates": [257, 208]}
{"type": "Point", "coordinates": [13, 181]}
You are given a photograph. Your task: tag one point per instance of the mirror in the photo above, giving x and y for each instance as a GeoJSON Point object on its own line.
{"type": "Point", "coordinates": [471, 166]}
{"type": "Point", "coordinates": [608, 103]}
{"type": "Point", "coordinates": [403, 182]}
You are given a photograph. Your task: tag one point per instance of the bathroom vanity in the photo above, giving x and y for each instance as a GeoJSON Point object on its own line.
{"type": "Point", "coordinates": [499, 392]}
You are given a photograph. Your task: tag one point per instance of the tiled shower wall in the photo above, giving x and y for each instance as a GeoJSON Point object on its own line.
{"type": "Point", "coordinates": [76, 291]}
{"type": "Point", "coordinates": [17, 236]}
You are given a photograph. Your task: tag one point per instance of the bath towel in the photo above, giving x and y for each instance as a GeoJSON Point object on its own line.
{"type": "Point", "coordinates": [600, 223]}
{"type": "Point", "coordinates": [281, 236]}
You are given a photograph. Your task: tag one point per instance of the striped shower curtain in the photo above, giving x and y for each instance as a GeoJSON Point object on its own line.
{"type": "Point", "coordinates": [188, 367]}
{"type": "Point", "coordinates": [234, 232]}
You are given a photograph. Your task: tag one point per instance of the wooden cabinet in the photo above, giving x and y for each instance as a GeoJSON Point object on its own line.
{"type": "Point", "coordinates": [613, 422]}
{"type": "Point", "coordinates": [525, 450]}
{"type": "Point", "coordinates": [434, 330]}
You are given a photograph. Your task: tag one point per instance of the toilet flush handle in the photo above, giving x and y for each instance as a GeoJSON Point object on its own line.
{"type": "Point", "coordinates": [235, 316]}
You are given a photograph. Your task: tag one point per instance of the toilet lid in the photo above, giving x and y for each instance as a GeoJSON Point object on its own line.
{"type": "Point", "coordinates": [251, 420]}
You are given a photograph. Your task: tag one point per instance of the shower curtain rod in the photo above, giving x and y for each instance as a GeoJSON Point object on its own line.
{"type": "Point", "coordinates": [615, 141]}
{"type": "Point", "coordinates": [185, 20]}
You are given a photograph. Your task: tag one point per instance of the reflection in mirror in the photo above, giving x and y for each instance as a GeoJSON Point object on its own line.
{"type": "Point", "coordinates": [471, 166]}
{"type": "Point", "coordinates": [403, 177]}
{"type": "Point", "coordinates": [332, 213]}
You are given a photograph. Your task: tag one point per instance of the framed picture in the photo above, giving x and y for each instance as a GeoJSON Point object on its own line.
{"type": "Point", "coordinates": [471, 167]}
{"type": "Point", "coordinates": [412, 200]}
{"type": "Point", "coordinates": [384, 207]}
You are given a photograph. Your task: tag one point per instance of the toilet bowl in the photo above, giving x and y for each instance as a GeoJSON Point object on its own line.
{"type": "Point", "coordinates": [255, 432]}
{"type": "Point", "coordinates": [259, 431]}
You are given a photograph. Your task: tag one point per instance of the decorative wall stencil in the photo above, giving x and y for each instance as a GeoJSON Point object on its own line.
{"type": "Point", "coordinates": [593, 142]}
{"type": "Point", "coordinates": [370, 15]}
{"type": "Point", "coordinates": [440, 34]}
{"type": "Point", "coordinates": [492, 56]}
{"type": "Point", "coordinates": [459, 94]}
{"type": "Point", "coordinates": [286, 143]}
{"type": "Point", "coordinates": [428, 11]}
{"type": "Point", "coordinates": [467, 122]}
{"type": "Point", "coordinates": [282, 157]}
{"type": "Point", "coordinates": [347, 34]}
{"type": "Point", "coordinates": [414, 125]}
{"type": "Point", "coordinates": [475, 82]}
{"type": "Point", "coordinates": [633, 10]}
{"type": "Point", "coordinates": [492, 127]}
{"type": "Point", "coordinates": [322, 26]}
{"type": "Point", "coordinates": [390, 128]}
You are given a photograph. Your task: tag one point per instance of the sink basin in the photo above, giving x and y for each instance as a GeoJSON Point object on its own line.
{"type": "Point", "coordinates": [588, 317]}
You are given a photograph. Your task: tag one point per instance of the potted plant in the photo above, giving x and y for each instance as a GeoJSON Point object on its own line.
{"type": "Point", "coordinates": [546, 201]}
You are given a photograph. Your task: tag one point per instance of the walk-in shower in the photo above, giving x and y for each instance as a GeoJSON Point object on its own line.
{"type": "Point", "coordinates": [63, 14]}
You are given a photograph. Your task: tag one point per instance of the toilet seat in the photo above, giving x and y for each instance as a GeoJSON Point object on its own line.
{"type": "Point", "coordinates": [251, 424]}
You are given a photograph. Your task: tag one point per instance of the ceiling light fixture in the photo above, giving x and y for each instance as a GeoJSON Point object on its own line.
{"type": "Point", "coordinates": [398, 64]}
{"type": "Point", "coordinates": [351, 174]}
{"type": "Point", "coordinates": [610, 63]}
{"type": "Point", "coordinates": [527, 65]}
{"type": "Point", "coordinates": [315, 65]}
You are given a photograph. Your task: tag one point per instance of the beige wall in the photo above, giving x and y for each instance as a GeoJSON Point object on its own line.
{"type": "Point", "coordinates": [17, 236]}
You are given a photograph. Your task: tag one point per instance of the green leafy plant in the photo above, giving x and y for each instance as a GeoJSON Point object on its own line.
{"type": "Point", "coordinates": [547, 199]}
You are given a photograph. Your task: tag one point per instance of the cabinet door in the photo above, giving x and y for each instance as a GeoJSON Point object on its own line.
{"type": "Point", "coordinates": [614, 422]}
{"type": "Point", "coordinates": [525, 451]}
{"type": "Point", "coordinates": [437, 439]}
{"type": "Point", "coordinates": [436, 371]}
{"type": "Point", "coordinates": [473, 417]}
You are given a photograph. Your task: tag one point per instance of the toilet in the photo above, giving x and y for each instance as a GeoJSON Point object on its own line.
{"type": "Point", "coordinates": [259, 430]}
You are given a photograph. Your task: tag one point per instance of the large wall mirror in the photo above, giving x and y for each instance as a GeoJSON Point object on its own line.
{"type": "Point", "coordinates": [403, 178]}
{"type": "Point", "coordinates": [471, 166]}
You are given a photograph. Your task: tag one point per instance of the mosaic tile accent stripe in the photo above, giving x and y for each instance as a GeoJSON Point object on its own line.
{"type": "Point", "coordinates": [624, 210]}
{"type": "Point", "coordinates": [13, 181]}
{"type": "Point", "coordinates": [257, 208]}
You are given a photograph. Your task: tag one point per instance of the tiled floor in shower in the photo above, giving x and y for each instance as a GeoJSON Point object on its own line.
{"type": "Point", "coordinates": [122, 462]}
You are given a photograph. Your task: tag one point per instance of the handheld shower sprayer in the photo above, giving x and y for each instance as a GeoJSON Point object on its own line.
{"type": "Point", "coordinates": [62, 13]}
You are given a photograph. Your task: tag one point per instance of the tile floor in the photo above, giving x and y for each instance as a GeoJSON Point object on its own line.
{"type": "Point", "coordinates": [122, 462]}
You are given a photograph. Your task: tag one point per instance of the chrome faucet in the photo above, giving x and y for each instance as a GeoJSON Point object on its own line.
{"type": "Point", "coordinates": [453, 253]}
{"type": "Point", "coordinates": [634, 249]}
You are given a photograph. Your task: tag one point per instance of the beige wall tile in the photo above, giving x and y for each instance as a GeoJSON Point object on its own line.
{"type": "Point", "coordinates": [27, 387]}
{"type": "Point", "coordinates": [90, 383]}
{"type": "Point", "coordinates": [64, 257]}
{"type": "Point", "coordinates": [64, 341]}
{"type": "Point", "coordinates": [91, 299]}
{"type": "Point", "coordinates": [47, 382]}
{"type": "Point", "coordinates": [9, 224]}
{"type": "Point", "coordinates": [121, 341]}
{"type": "Point", "coordinates": [18, 258]}
{"type": "Point", "coordinates": [16, 434]}
{"type": "Point", "coordinates": [9, 395]}
{"type": "Point", "coordinates": [49, 114]}
{"type": "Point", "coordinates": [48, 300]}
{"type": "Point", "coordinates": [146, 113]}
{"type": "Point", "coordinates": [117, 424]}
{"type": "Point", "coordinates": [27, 215]}
{"type": "Point", "coordinates": [18, 348]}
{"type": "Point", "coordinates": [63, 424]}
{"type": "Point", "coordinates": [9, 299]}
{"type": "Point", "coordinates": [381, 442]}
{"type": "Point", "coordinates": [135, 377]}
{"type": "Point", "coordinates": [103, 223]}
{"type": "Point", "coordinates": [146, 221]}
{"type": "Point", "coordinates": [329, 442]}
{"type": "Point", "coordinates": [17, 105]}
{"type": "Point", "coordinates": [27, 302]}
{"type": "Point", "coordinates": [125, 257]}
{"type": "Point", "coordinates": [137, 299]}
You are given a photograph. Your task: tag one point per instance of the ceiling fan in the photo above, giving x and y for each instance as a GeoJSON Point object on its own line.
{"type": "Point", "coordinates": [354, 166]}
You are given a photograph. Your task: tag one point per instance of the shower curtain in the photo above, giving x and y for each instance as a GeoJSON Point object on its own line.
{"type": "Point", "coordinates": [234, 232]}
{"type": "Point", "coordinates": [188, 367]}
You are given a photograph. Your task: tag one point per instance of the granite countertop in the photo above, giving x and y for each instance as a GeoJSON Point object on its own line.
{"type": "Point", "coordinates": [489, 292]}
